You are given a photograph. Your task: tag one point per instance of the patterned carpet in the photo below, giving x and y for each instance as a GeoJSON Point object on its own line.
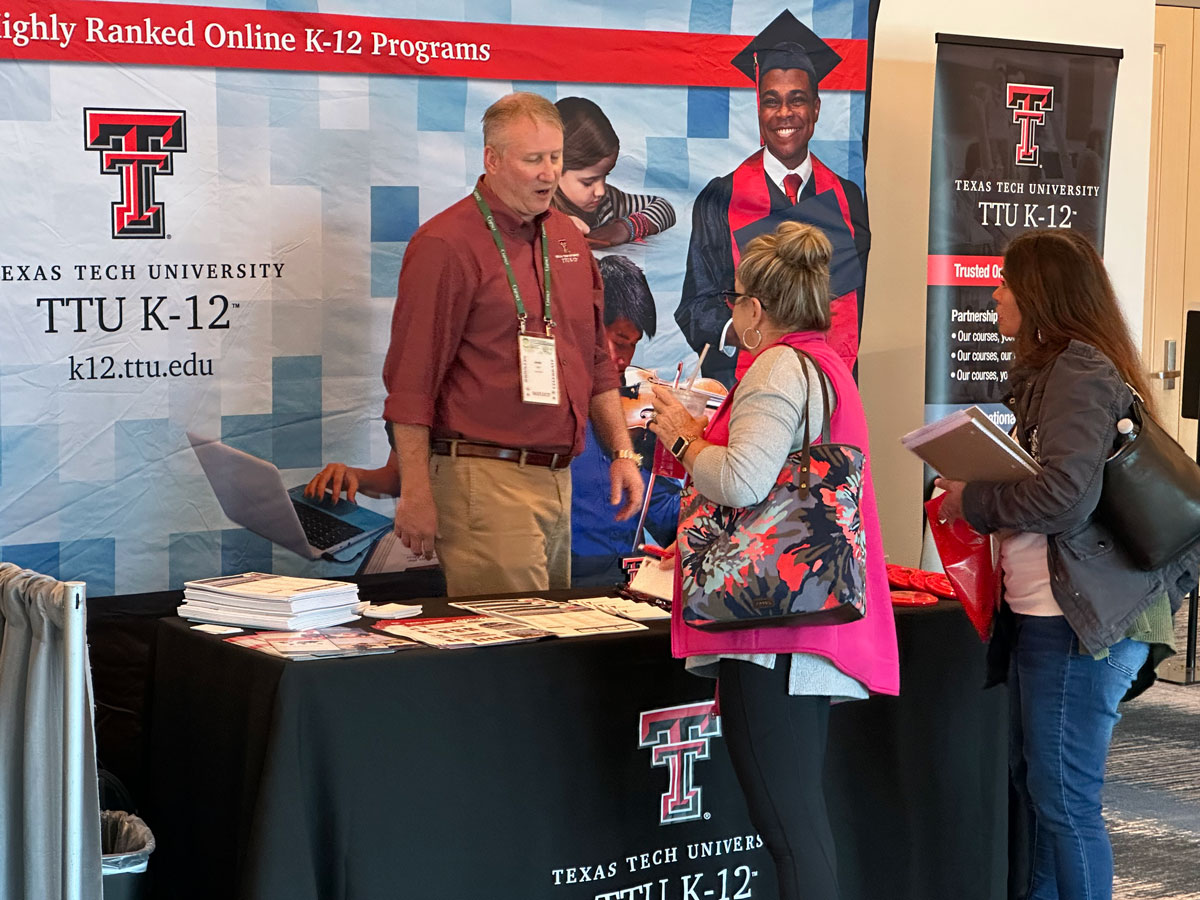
{"type": "Point", "coordinates": [1152, 796]}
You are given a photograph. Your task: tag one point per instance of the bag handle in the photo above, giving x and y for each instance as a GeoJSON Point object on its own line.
{"type": "Point", "coordinates": [1138, 407]}
{"type": "Point", "coordinates": [805, 451]}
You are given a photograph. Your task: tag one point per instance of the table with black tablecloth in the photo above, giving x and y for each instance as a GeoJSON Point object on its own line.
{"type": "Point", "coordinates": [525, 771]}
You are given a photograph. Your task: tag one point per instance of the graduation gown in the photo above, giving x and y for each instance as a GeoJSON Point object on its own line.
{"type": "Point", "coordinates": [733, 209]}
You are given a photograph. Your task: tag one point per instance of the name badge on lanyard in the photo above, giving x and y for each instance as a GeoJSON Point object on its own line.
{"type": "Point", "coordinates": [538, 358]}
{"type": "Point", "coordinates": [539, 369]}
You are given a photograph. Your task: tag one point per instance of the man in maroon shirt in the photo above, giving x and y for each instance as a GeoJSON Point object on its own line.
{"type": "Point", "coordinates": [484, 424]}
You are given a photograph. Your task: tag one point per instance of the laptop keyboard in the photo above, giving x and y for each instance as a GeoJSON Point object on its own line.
{"type": "Point", "coordinates": [322, 529]}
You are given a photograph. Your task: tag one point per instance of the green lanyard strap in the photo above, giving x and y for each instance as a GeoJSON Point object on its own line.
{"type": "Point", "coordinates": [512, 280]}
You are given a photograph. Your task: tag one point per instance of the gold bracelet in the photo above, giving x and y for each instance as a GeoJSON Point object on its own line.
{"type": "Point", "coordinates": [628, 454]}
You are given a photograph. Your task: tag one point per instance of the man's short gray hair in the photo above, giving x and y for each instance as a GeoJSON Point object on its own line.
{"type": "Point", "coordinates": [513, 107]}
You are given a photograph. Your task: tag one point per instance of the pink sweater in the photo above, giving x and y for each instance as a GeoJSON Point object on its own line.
{"type": "Point", "coordinates": [865, 649]}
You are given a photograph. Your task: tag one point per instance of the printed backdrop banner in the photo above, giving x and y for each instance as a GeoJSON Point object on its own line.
{"type": "Point", "coordinates": [1021, 136]}
{"type": "Point", "coordinates": [205, 210]}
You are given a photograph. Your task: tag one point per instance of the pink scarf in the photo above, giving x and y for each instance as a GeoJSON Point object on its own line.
{"type": "Point", "coordinates": [864, 650]}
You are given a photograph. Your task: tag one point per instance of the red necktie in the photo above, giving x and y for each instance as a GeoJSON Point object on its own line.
{"type": "Point", "coordinates": [791, 184]}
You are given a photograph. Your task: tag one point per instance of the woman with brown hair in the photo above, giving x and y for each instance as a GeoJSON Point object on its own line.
{"type": "Point", "coordinates": [1079, 623]}
{"type": "Point", "coordinates": [607, 216]}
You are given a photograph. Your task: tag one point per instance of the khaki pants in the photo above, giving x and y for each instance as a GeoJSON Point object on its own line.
{"type": "Point", "coordinates": [501, 526]}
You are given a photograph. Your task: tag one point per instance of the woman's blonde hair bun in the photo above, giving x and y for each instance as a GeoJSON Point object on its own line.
{"type": "Point", "coordinates": [788, 271]}
{"type": "Point", "coordinates": [803, 245]}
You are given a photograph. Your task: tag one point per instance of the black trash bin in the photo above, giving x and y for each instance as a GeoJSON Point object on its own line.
{"type": "Point", "coordinates": [125, 844]}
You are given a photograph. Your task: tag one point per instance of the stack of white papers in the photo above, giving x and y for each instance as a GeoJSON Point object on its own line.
{"type": "Point", "coordinates": [258, 600]}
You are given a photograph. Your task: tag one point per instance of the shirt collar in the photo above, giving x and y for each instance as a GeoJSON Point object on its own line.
{"type": "Point", "coordinates": [776, 170]}
{"type": "Point", "coordinates": [506, 219]}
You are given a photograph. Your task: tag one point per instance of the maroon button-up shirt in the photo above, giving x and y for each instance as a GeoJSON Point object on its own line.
{"type": "Point", "coordinates": [453, 363]}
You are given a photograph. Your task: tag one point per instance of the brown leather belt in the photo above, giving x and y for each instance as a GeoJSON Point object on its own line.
{"type": "Point", "coordinates": [508, 454]}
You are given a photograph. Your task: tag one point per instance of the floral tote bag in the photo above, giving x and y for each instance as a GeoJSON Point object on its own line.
{"type": "Point", "coordinates": [797, 556]}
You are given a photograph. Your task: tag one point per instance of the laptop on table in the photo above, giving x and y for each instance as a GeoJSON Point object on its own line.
{"type": "Point", "coordinates": [252, 494]}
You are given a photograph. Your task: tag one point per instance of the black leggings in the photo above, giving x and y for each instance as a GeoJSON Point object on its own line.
{"type": "Point", "coordinates": [777, 745]}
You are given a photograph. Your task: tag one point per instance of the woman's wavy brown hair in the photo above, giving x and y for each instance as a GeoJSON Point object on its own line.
{"type": "Point", "coordinates": [1063, 293]}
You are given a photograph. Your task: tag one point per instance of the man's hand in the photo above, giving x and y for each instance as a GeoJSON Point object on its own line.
{"type": "Point", "coordinates": [333, 478]}
{"type": "Point", "coordinates": [626, 476]}
{"type": "Point", "coordinates": [416, 522]}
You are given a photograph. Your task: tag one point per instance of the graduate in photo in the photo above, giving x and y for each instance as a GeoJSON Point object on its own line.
{"type": "Point", "coordinates": [782, 181]}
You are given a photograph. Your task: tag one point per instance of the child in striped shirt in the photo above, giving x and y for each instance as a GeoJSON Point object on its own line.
{"type": "Point", "coordinates": [607, 216]}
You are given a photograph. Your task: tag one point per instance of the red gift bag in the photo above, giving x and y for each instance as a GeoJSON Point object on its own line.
{"type": "Point", "coordinates": [967, 558]}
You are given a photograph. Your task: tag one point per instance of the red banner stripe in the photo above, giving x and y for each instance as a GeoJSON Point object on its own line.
{"type": "Point", "coordinates": [983, 271]}
{"type": "Point", "coordinates": [153, 34]}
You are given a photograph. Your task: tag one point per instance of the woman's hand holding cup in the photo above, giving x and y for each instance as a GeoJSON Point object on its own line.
{"type": "Point", "coordinates": [672, 419]}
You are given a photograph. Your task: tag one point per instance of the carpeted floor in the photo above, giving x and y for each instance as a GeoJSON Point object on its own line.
{"type": "Point", "coordinates": [1152, 795]}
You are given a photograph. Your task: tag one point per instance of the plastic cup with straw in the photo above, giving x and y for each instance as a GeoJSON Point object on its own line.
{"type": "Point", "coordinates": [662, 460]}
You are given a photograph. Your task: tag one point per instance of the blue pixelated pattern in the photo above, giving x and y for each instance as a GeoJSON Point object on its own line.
{"type": "Point", "coordinates": [394, 213]}
{"type": "Point", "coordinates": [708, 112]}
{"type": "Point", "coordinates": [442, 104]}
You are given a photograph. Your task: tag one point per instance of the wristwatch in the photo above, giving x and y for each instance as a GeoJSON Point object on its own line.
{"type": "Point", "coordinates": [628, 454]}
{"type": "Point", "coordinates": [680, 447]}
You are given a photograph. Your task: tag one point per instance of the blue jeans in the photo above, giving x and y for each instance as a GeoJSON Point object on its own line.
{"type": "Point", "coordinates": [1063, 709]}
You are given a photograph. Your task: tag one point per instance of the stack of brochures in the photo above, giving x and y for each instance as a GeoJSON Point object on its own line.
{"type": "Point", "coordinates": [322, 643]}
{"type": "Point", "coordinates": [280, 602]}
{"type": "Point", "coordinates": [967, 446]}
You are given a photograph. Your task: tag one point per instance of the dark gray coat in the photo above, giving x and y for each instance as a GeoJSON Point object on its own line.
{"type": "Point", "coordinates": [1066, 418]}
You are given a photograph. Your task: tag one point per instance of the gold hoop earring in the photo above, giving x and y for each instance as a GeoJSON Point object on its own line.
{"type": "Point", "coordinates": [746, 343]}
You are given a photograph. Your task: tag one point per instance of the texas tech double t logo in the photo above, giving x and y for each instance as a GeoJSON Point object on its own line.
{"type": "Point", "coordinates": [1029, 103]}
{"type": "Point", "coordinates": [678, 737]}
{"type": "Point", "coordinates": [136, 144]}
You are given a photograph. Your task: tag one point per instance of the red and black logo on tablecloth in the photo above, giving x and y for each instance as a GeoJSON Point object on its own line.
{"type": "Point", "coordinates": [678, 737]}
{"type": "Point", "coordinates": [137, 145]}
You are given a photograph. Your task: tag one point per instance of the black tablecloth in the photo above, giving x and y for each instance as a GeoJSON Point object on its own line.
{"type": "Point", "coordinates": [516, 772]}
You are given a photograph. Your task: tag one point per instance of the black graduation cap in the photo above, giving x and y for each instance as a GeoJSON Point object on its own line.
{"type": "Point", "coordinates": [787, 43]}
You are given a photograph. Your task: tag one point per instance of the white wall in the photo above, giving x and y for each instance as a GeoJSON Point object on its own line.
{"type": "Point", "coordinates": [892, 357]}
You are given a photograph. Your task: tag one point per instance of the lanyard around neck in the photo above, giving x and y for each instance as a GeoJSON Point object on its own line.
{"type": "Point", "coordinates": [512, 281]}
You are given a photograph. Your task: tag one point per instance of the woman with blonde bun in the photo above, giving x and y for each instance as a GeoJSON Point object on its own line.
{"type": "Point", "coordinates": [777, 683]}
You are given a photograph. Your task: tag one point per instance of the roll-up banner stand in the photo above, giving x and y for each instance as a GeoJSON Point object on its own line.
{"type": "Point", "coordinates": [1021, 137]}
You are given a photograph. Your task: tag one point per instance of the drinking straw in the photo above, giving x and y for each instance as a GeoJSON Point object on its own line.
{"type": "Point", "coordinates": [678, 372]}
{"type": "Point", "coordinates": [696, 371]}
